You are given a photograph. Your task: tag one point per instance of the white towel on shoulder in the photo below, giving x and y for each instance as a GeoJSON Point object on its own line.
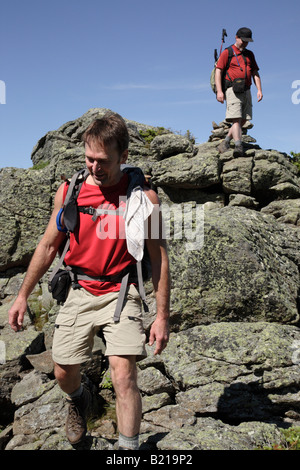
{"type": "Point", "coordinates": [138, 209]}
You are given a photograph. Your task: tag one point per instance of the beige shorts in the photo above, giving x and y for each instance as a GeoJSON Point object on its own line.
{"type": "Point", "coordinates": [238, 106]}
{"type": "Point", "coordinates": [84, 314]}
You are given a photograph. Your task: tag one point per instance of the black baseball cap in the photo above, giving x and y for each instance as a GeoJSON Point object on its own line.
{"type": "Point", "coordinates": [245, 34]}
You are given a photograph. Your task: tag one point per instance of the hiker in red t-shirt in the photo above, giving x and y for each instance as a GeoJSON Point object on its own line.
{"type": "Point", "coordinates": [236, 90]}
{"type": "Point", "coordinates": [99, 247]}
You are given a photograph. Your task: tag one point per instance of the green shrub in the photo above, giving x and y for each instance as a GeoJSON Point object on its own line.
{"type": "Point", "coordinates": [40, 165]}
{"type": "Point", "coordinates": [290, 440]}
{"type": "Point", "coordinates": [150, 134]}
{"type": "Point", "coordinates": [295, 160]}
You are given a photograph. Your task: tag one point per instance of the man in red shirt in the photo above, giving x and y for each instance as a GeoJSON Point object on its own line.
{"type": "Point", "coordinates": [242, 69]}
{"type": "Point", "coordinates": [91, 307]}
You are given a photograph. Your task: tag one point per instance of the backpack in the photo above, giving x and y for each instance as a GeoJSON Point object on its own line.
{"type": "Point", "coordinates": [61, 279]}
{"type": "Point", "coordinates": [224, 72]}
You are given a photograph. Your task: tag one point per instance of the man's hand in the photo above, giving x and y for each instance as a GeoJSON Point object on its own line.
{"type": "Point", "coordinates": [257, 81]}
{"type": "Point", "coordinates": [220, 96]}
{"type": "Point", "coordinates": [218, 80]}
{"type": "Point", "coordinates": [16, 314]}
{"type": "Point", "coordinates": [160, 333]}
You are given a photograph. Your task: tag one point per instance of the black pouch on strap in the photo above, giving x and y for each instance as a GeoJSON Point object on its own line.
{"type": "Point", "coordinates": [59, 285]}
{"type": "Point", "coordinates": [239, 85]}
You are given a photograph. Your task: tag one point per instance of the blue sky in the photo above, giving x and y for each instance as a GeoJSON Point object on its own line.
{"type": "Point", "coordinates": [149, 61]}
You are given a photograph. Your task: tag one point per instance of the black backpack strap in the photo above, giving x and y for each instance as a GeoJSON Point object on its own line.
{"type": "Point", "coordinates": [81, 175]}
{"type": "Point", "coordinates": [136, 177]}
{"type": "Point", "coordinates": [60, 262]}
{"type": "Point", "coordinates": [123, 290]}
{"type": "Point", "coordinates": [141, 285]}
{"type": "Point", "coordinates": [244, 55]}
{"type": "Point", "coordinates": [121, 298]}
{"type": "Point", "coordinates": [230, 55]}
{"type": "Point", "coordinates": [70, 203]}
{"type": "Point", "coordinates": [78, 178]}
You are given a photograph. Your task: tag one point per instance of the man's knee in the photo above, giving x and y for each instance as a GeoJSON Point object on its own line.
{"type": "Point", "coordinates": [123, 373]}
{"type": "Point", "coordinates": [64, 372]}
{"type": "Point", "coordinates": [237, 121]}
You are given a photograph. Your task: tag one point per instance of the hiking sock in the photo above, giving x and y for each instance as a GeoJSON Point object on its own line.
{"type": "Point", "coordinates": [76, 393]}
{"type": "Point", "coordinates": [128, 443]}
{"type": "Point", "coordinates": [227, 139]}
{"type": "Point", "coordinates": [238, 142]}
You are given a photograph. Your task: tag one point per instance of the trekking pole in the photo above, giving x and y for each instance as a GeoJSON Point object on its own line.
{"type": "Point", "coordinates": [216, 55]}
{"type": "Point", "coordinates": [223, 39]}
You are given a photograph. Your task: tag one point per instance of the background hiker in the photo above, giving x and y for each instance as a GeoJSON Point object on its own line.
{"type": "Point", "coordinates": [91, 306]}
{"type": "Point", "coordinates": [233, 85]}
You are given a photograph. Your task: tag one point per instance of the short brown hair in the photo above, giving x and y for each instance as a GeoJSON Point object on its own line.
{"type": "Point", "coordinates": [110, 130]}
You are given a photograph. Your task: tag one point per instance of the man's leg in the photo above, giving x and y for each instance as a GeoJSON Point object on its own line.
{"type": "Point", "coordinates": [79, 399]}
{"type": "Point", "coordinates": [235, 133]}
{"type": "Point", "coordinates": [68, 377]}
{"type": "Point", "coordinates": [234, 114]}
{"type": "Point", "coordinates": [128, 399]}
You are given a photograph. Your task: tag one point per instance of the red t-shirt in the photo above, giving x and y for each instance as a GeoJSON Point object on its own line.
{"type": "Point", "coordinates": [236, 64]}
{"type": "Point", "coordinates": [99, 247]}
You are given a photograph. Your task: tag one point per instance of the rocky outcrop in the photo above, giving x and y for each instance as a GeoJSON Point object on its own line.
{"type": "Point", "coordinates": [229, 378]}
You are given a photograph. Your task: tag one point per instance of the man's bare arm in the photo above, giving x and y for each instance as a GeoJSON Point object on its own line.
{"type": "Point", "coordinates": [257, 81]}
{"type": "Point", "coordinates": [41, 261]}
{"type": "Point", "coordinates": [218, 81]}
{"type": "Point", "coordinates": [160, 277]}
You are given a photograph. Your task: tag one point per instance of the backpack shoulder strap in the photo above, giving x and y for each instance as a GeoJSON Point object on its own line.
{"type": "Point", "coordinates": [243, 55]}
{"type": "Point", "coordinates": [70, 204]}
{"type": "Point", "coordinates": [231, 53]}
{"type": "Point", "coordinates": [77, 178]}
{"type": "Point", "coordinates": [136, 177]}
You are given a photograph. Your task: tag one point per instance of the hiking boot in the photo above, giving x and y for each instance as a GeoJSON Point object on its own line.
{"type": "Point", "coordinates": [76, 419]}
{"type": "Point", "coordinates": [224, 146]}
{"type": "Point", "coordinates": [238, 150]}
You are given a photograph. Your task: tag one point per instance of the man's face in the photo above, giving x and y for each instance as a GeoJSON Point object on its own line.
{"type": "Point", "coordinates": [240, 44]}
{"type": "Point", "coordinates": [103, 164]}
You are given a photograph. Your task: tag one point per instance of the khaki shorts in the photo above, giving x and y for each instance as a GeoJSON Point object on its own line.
{"type": "Point", "coordinates": [238, 106]}
{"type": "Point", "coordinates": [84, 314]}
